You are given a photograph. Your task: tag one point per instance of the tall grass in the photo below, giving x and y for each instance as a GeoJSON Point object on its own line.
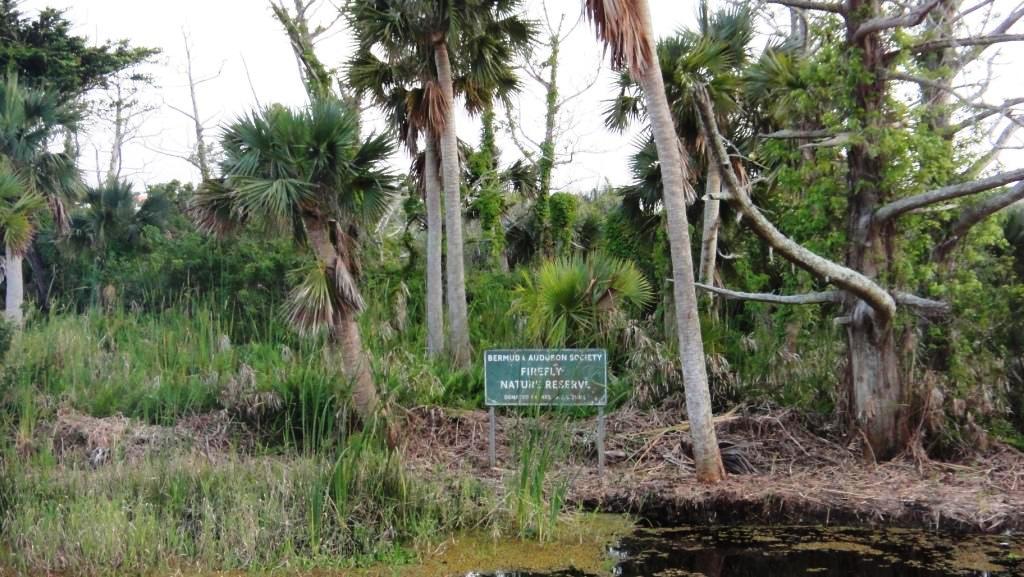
{"type": "Point", "coordinates": [314, 494]}
{"type": "Point", "coordinates": [535, 497]}
{"type": "Point", "coordinates": [237, 514]}
{"type": "Point", "coordinates": [159, 366]}
{"type": "Point", "coordinates": [153, 367]}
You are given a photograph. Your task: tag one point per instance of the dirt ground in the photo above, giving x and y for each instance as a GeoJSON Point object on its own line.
{"type": "Point", "coordinates": [782, 473]}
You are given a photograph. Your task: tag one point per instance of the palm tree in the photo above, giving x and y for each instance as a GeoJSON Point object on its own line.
{"type": "Point", "coordinates": [483, 35]}
{"type": "Point", "coordinates": [578, 301]}
{"type": "Point", "coordinates": [486, 35]}
{"type": "Point", "coordinates": [625, 28]}
{"type": "Point", "coordinates": [30, 120]}
{"type": "Point", "coordinates": [111, 221]}
{"type": "Point", "coordinates": [404, 87]}
{"type": "Point", "coordinates": [112, 217]}
{"type": "Point", "coordinates": [307, 172]}
{"type": "Point", "coordinates": [713, 55]}
{"type": "Point", "coordinates": [19, 211]}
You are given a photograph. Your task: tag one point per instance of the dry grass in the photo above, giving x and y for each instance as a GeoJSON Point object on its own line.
{"type": "Point", "coordinates": [76, 436]}
{"type": "Point", "coordinates": [800, 476]}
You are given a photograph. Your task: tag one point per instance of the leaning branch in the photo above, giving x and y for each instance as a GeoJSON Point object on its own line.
{"type": "Point", "coordinates": [836, 7]}
{"type": "Point", "coordinates": [843, 277]}
{"type": "Point", "coordinates": [944, 43]}
{"type": "Point", "coordinates": [800, 299]}
{"type": "Point", "coordinates": [904, 205]}
{"type": "Point", "coordinates": [912, 18]}
{"type": "Point", "coordinates": [979, 165]}
{"type": "Point", "coordinates": [921, 305]}
{"type": "Point", "coordinates": [972, 216]}
{"type": "Point", "coordinates": [794, 134]}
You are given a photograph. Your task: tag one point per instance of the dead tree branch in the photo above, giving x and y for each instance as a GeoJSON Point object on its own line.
{"type": "Point", "coordinates": [834, 7]}
{"type": "Point", "coordinates": [845, 278]}
{"type": "Point", "coordinates": [795, 134]}
{"type": "Point", "coordinates": [812, 298]}
{"type": "Point", "coordinates": [912, 18]}
{"type": "Point", "coordinates": [944, 43]}
{"type": "Point", "coordinates": [973, 103]}
{"type": "Point", "coordinates": [921, 305]}
{"type": "Point", "coordinates": [972, 216]}
{"type": "Point", "coordinates": [904, 205]}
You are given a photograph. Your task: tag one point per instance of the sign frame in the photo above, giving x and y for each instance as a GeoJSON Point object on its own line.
{"type": "Point", "coordinates": [599, 403]}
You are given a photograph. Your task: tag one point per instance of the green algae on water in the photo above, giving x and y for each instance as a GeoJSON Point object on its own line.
{"type": "Point", "coordinates": [580, 542]}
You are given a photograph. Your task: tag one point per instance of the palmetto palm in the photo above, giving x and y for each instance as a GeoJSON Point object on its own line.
{"type": "Point", "coordinates": [19, 212]}
{"type": "Point", "coordinates": [450, 47]}
{"type": "Point", "coordinates": [113, 217]}
{"type": "Point", "coordinates": [625, 28]}
{"type": "Point", "coordinates": [29, 122]}
{"type": "Point", "coordinates": [307, 172]}
{"type": "Point", "coordinates": [575, 301]}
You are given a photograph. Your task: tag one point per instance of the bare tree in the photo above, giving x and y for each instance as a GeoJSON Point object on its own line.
{"type": "Point", "coordinates": [199, 155]}
{"type": "Point", "coordinates": [318, 78]}
{"type": "Point", "coordinates": [553, 149]}
{"type": "Point", "coordinates": [122, 108]}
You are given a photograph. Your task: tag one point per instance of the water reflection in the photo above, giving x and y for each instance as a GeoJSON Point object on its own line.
{"type": "Point", "coordinates": [792, 552]}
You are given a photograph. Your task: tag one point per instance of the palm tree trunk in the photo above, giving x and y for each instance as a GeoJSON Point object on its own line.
{"type": "Point", "coordinates": [344, 335]}
{"type": "Point", "coordinates": [707, 458]}
{"type": "Point", "coordinates": [709, 236]}
{"type": "Point", "coordinates": [458, 322]}
{"type": "Point", "coordinates": [15, 287]}
{"type": "Point", "coordinates": [435, 289]}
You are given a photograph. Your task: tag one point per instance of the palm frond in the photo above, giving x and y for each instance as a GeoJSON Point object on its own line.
{"type": "Point", "coordinates": [212, 209]}
{"type": "Point", "coordinates": [577, 301]}
{"type": "Point", "coordinates": [269, 198]}
{"type": "Point", "coordinates": [624, 31]}
{"type": "Point", "coordinates": [310, 307]}
{"type": "Point", "coordinates": [626, 107]}
{"type": "Point", "coordinates": [19, 210]}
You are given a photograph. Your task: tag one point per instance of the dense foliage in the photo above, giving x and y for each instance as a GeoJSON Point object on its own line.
{"type": "Point", "coordinates": [293, 283]}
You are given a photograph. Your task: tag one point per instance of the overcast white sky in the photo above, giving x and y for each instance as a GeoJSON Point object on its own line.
{"type": "Point", "coordinates": [228, 36]}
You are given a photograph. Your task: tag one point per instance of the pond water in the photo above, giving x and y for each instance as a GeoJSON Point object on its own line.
{"type": "Point", "coordinates": [792, 552]}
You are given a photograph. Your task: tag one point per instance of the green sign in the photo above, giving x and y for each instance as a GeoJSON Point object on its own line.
{"type": "Point", "coordinates": [546, 377]}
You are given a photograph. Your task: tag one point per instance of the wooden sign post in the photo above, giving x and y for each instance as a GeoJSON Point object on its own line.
{"type": "Point", "coordinates": [547, 377]}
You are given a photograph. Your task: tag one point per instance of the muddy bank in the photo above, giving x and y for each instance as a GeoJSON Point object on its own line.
{"type": "Point", "coordinates": [784, 474]}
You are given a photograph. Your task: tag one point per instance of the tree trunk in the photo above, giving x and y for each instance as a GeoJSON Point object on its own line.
{"type": "Point", "coordinates": [458, 322]}
{"type": "Point", "coordinates": [435, 289]}
{"type": "Point", "coordinates": [547, 146]}
{"type": "Point", "coordinates": [876, 390]}
{"type": "Point", "coordinates": [691, 348]}
{"type": "Point", "coordinates": [41, 277]}
{"type": "Point", "coordinates": [15, 288]}
{"type": "Point", "coordinates": [709, 237]}
{"type": "Point", "coordinates": [201, 162]}
{"type": "Point", "coordinates": [877, 397]}
{"type": "Point", "coordinates": [344, 337]}
{"type": "Point", "coordinates": [546, 164]}
{"type": "Point", "coordinates": [942, 67]}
